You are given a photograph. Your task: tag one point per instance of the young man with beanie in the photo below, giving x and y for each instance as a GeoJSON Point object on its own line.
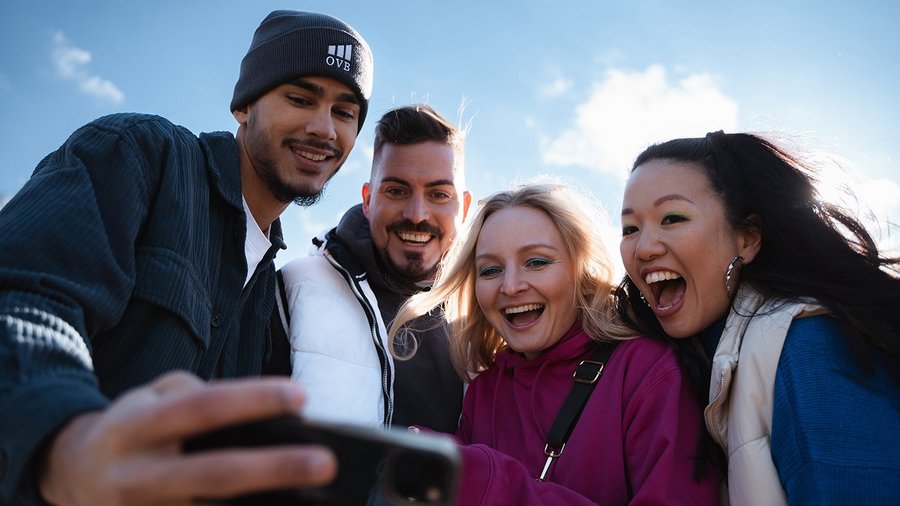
{"type": "Point", "coordinates": [382, 252]}
{"type": "Point", "coordinates": [138, 249]}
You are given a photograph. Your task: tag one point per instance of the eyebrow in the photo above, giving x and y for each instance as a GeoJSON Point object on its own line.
{"type": "Point", "coordinates": [524, 249]}
{"type": "Point", "coordinates": [395, 179]}
{"type": "Point", "coordinates": [661, 200]}
{"type": "Point", "coordinates": [319, 91]}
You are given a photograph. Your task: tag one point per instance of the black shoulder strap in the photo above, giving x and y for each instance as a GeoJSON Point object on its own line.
{"type": "Point", "coordinates": [586, 376]}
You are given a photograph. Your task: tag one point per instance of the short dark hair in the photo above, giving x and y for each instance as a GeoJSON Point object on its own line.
{"type": "Point", "coordinates": [412, 124]}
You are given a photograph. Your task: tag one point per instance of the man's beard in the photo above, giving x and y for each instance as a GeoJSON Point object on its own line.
{"type": "Point", "coordinates": [414, 270]}
{"type": "Point", "coordinates": [284, 192]}
{"type": "Point", "coordinates": [267, 169]}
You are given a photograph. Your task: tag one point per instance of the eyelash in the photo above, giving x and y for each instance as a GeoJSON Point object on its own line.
{"type": "Point", "coordinates": [435, 197]}
{"type": "Point", "coordinates": [673, 218]}
{"type": "Point", "coordinates": [487, 271]}
{"type": "Point", "coordinates": [348, 115]}
{"type": "Point", "coordinates": [537, 262]}
{"type": "Point", "coordinates": [668, 219]}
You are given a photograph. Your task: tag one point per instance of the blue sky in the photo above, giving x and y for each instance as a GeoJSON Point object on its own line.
{"type": "Point", "coordinates": [572, 89]}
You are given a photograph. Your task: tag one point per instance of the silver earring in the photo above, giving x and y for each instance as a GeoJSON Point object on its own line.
{"type": "Point", "coordinates": [643, 299]}
{"type": "Point", "coordinates": [730, 270]}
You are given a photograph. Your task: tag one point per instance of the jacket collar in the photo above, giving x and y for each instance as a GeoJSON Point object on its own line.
{"type": "Point", "coordinates": [224, 165]}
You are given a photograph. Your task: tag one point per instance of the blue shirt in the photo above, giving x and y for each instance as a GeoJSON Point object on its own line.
{"type": "Point", "coordinates": [122, 258]}
{"type": "Point", "coordinates": [835, 432]}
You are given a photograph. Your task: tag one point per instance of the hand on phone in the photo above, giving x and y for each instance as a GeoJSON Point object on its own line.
{"type": "Point", "coordinates": [375, 466]}
{"type": "Point", "coordinates": [131, 452]}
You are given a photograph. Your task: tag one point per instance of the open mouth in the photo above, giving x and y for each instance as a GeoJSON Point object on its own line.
{"type": "Point", "coordinates": [523, 315]}
{"type": "Point", "coordinates": [414, 237]}
{"type": "Point", "coordinates": [667, 288]}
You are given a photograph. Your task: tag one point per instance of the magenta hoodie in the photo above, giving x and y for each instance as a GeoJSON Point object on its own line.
{"type": "Point", "coordinates": [633, 443]}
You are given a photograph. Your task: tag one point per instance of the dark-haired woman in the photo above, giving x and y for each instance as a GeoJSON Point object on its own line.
{"type": "Point", "coordinates": [728, 247]}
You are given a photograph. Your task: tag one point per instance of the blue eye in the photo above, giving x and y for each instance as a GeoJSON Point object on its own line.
{"type": "Point", "coordinates": [537, 262]}
{"type": "Point", "coordinates": [486, 272]}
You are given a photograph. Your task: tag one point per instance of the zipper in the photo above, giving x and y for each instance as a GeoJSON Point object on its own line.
{"type": "Point", "coordinates": [384, 360]}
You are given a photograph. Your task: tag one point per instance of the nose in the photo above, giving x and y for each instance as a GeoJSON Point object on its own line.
{"type": "Point", "coordinates": [512, 282]}
{"type": "Point", "coordinates": [416, 209]}
{"type": "Point", "coordinates": [649, 245]}
{"type": "Point", "coordinates": [321, 124]}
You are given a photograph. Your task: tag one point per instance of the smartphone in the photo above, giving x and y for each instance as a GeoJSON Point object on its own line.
{"type": "Point", "coordinates": [375, 466]}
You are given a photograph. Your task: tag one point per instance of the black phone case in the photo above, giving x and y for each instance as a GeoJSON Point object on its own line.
{"type": "Point", "coordinates": [364, 456]}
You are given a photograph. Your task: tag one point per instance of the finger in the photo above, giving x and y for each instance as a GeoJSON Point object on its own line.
{"type": "Point", "coordinates": [185, 410]}
{"type": "Point", "coordinates": [176, 381]}
{"type": "Point", "coordinates": [226, 473]}
{"type": "Point", "coordinates": [135, 402]}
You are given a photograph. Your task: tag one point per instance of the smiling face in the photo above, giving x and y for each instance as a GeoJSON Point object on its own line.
{"type": "Point", "coordinates": [414, 206]}
{"type": "Point", "coordinates": [294, 138]}
{"type": "Point", "coordinates": [676, 244]}
{"type": "Point", "coordinates": [525, 279]}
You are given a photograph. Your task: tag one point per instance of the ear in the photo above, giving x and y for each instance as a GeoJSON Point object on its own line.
{"type": "Point", "coordinates": [749, 240]}
{"type": "Point", "coordinates": [241, 114]}
{"type": "Point", "coordinates": [366, 197]}
{"type": "Point", "coordinates": [467, 200]}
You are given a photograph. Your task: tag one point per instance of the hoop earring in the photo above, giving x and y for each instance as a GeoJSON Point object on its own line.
{"type": "Point", "coordinates": [730, 271]}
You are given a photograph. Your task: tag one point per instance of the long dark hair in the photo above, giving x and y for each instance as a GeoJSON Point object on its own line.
{"type": "Point", "coordinates": [810, 247]}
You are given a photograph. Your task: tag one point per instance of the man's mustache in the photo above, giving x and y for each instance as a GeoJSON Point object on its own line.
{"type": "Point", "coordinates": [421, 228]}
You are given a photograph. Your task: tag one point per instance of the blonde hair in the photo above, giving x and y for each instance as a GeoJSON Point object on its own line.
{"type": "Point", "coordinates": [474, 343]}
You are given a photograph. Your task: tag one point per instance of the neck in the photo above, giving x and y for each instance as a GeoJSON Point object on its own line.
{"type": "Point", "coordinates": [264, 207]}
{"type": "Point", "coordinates": [264, 213]}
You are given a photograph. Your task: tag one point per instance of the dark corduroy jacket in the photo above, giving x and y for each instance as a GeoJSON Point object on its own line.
{"type": "Point", "coordinates": [120, 259]}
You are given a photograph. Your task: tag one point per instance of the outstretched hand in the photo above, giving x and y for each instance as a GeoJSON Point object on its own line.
{"type": "Point", "coordinates": [131, 453]}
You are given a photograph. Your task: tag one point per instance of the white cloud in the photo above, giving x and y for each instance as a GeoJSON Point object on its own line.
{"type": "Point", "coordinates": [555, 88]}
{"type": "Point", "coordinates": [628, 110]}
{"type": "Point", "coordinates": [882, 197]}
{"type": "Point", "coordinates": [71, 64]}
{"type": "Point", "coordinates": [882, 194]}
{"type": "Point", "coordinates": [874, 201]}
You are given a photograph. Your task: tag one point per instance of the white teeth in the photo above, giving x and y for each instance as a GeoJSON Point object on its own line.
{"type": "Point", "coordinates": [522, 309]}
{"type": "Point", "coordinates": [654, 277]}
{"type": "Point", "coordinates": [412, 237]}
{"type": "Point", "coordinates": [311, 156]}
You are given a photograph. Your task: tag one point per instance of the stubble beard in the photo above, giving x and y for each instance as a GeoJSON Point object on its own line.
{"type": "Point", "coordinates": [266, 167]}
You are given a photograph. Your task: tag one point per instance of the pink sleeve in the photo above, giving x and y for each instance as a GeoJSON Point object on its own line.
{"type": "Point", "coordinates": [663, 426]}
{"type": "Point", "coordinates": [492, 477]}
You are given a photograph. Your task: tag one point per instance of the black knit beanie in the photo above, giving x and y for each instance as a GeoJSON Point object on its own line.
{"type": "Point", "coordinates": [292, 44]}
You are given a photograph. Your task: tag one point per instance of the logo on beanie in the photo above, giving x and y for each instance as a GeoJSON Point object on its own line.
{"type": "Point", "coordinates": [340, 56]}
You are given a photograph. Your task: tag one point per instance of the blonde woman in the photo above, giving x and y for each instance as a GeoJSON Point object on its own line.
{"type": "Point", "coordinates": [527, 293]}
